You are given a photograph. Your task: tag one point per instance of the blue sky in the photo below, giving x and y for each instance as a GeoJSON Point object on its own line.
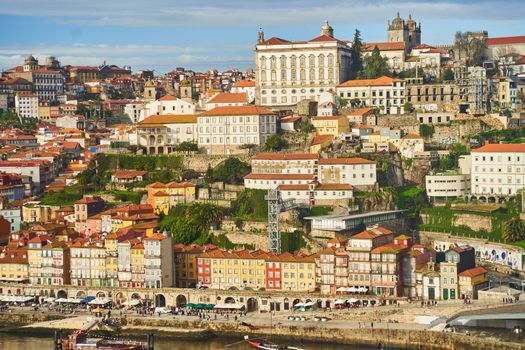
{"type": "Point", "coordinates": [203, 34]}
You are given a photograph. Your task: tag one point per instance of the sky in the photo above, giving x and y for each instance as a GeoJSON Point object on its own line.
{"type": "Point", "coordinates": [204, 34]}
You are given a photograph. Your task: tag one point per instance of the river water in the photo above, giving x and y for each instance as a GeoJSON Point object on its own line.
{"type": "Point", "coordinates": [9, 342]}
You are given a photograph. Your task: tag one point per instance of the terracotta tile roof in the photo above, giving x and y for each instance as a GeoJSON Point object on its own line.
{"type": "Point", "coordinates": [244, 83]}
{"type": "Point", "coordinates": [412, 136]}
{"type": "Point", "coordinates": [362, 111]}
{"type": "Point", "coordinates": [276, 41]}
{"type": "Point", "coordinates": [290, 119]}
{"type": "Point", "coordinates": [324, 38]}
{"type": "Point", "coordinates": [385, 46]}
{"type": "Point", "coordinates": [169, 119]}
{"type": "Point", "coordinates": [473, 272]}
{"type": "Point", "coordinates": [381, 81]}
{"type": "Point", "coordinates": [89, 199]}
{"type": "Point", "coordinates": [156, 237]}
{"type": "Point", "coordinates": [128, 174]}
{"type": "Point", "coordinates": [336, 161]}
{"type": "Point", "coordinates": [253, 176]}
{"type": "Point", "coordinates": [331, 117]}
{"type": "Point", "coordinates": [285, 156]}
{"type": "Point", "coordinates": [387, 249]}
{"type": "Point", "coordinates": [293, 187]}
{"type": "Point", "coordinates": [237, 110]}
{"type": "Point", "coordinates": [505, 40]}
{"type": "Point", "coordinates": [493, 147]}
{"type": "Point", "coordinates": [334, 187]}
{"type": "Point", "coordinates": [365, 235]}
{"type": "Point", "coordinates": [233, 97]}
{"type": "Point", "coordinates": [321, 139]}
{"type": "Point", "coordinates": [168, 98]}
{"type": "Point", "coordinates": [423, 46]}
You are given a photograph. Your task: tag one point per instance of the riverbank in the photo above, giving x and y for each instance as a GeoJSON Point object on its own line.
{"type": "Point", "coordinates": [324, 332]}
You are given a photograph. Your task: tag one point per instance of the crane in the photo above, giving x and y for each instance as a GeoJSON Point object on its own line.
{"type": "Point", "coordinates": [276, 205]}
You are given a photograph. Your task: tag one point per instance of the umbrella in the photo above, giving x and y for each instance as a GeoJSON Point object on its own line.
{"type": "Point", "coordinates": [200, 306]}
{"type": "Point", "coordinates": [209, 306]}
{"type": "Point", "coordinates": [190, 305]}
{"type": "Point", "coordinates": [97, 310]}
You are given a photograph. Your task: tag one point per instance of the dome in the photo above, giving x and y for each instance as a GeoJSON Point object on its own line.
{"type": "Point", "coordinates": [326, 29]}
{"type": "Point", "coordinates": [410, 20]}
{"type": "Point", "coordinates": [30, 60]}
{"type": "Point", "coordinates": [397, 21]}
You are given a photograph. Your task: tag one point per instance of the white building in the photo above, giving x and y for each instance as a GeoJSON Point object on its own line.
{"type": "Point", "coordinates": [288, 72]}
{"type": "Point", "coordinates": [385, 93]}
{"type": "Point", "coordinates": [445, 185]}
{"type": "Point", "coordinates": [357, 172]}
{"type": "Point", "coordinates": [223, 99]}
{"type": "Point", "coordinates": [160, 134]}
{"type": "Point", "coordinates": [158, 261]}
{"type": "Point", "coordinates": [26, 105]}
{"type": "Point", "coordinates": [223, 130]}
{"type": "Point", "coordinates": [498, 170]}
{"type": "Point", "coordinates": [167, 104]}
{"type": "Point", "coordinates": [246, 86]}
{"type": "Point", "coordinates": [315, 193]}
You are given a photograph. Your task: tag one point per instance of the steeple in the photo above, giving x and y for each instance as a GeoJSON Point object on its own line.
{"type": "Point", "coordinates": [260, 37]}
{"type": "Point", "coordinates": [326, 29]}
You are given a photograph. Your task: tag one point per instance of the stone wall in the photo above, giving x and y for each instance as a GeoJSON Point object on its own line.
{"type": "Point", "coordinates": [456, 130]}
{"type": "Point", "coordinates": [475, 222]}
{"type": "Point", "coordinates": [407, 122]}
{"type": "Point", "coordinates": [200, 162]}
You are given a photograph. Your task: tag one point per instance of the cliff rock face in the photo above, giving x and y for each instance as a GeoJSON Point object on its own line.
{"type": "Point", "coordinates": [376, 201]}
{"type": "Point", "coordinates": [415, 172]}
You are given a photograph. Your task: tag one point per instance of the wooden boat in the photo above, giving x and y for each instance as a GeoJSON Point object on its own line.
{"type": "Point", "coordinates": [266, 345]}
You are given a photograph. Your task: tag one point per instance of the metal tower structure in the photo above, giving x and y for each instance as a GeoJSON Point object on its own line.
{"type": "Point", "coordinates": [275, 206]}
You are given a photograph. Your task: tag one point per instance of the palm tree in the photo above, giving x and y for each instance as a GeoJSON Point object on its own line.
{"type": "Point", "coordinates": [514, 230]}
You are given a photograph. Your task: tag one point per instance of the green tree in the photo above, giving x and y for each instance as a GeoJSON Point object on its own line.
{"type": "Point", "coordinates": [306, 127]}
{"type": "Point", "coordinates": [274, 143]}
{"type": "Point", "coordinates": [521, 96]}
{"type": "Point", "coordinates": [208, 176]}
{"type": "Point", "coordinates": [356, 53]}
{"type": "Point", "coordinates": [470, 47]}
{"type": "Point", "coordinates": [408, 107]}
{"type": "Point", "coordinates": [182, 230]}
{"type": "Point", "coordinates": [448, 74]}
{"type": "Point", "coordinates": [187, 146]}
{"type": "Point", "coordinates": [232, 171]}
{"type": "Point", "coordinates": [513, 230]}
{"type": "Point", "coordinates": [375, 65]}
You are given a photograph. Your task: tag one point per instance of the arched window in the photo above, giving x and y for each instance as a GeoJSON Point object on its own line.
{"type": "Point", "coordinates": [294, 74]}
{"type": "Point", "coordinates": [311, 60]}
{"type": "Point", "coordinates": [312, 74]}
{"type": "Point", "coordinates": [321, 60]}
{"type": "Point", "coordinates": [330, 60]}
{"type": "Point", "coordinates": [330, 73]}
{"type": "Point", "coordinates": [283, 61]}
{"type": "Point", "coordinates": [263, 75]}
{"type": "Point", "coordinates": [273, 62]}
{"type": "Point", "coordinates": [274, 75]}
{"type": "Point", "coordinates": [302, 61]}
{"type": "Point", "coordinates": [293, 61]}
{"type": "Point", "coordinates": [321, 73]}
{"type": "Point", "coordinates": [303, 74]}
{"type": "Point", "coordinates": [283, 74]}
{"type": "Point", "coordinates": [263, 62]}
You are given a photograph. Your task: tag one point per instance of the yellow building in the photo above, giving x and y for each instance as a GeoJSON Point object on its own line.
{"type": "Point", "coordinates": [132, 215]}
{"type": "Point", "coordinates": [36, 212]}
{"type": "Point", "coordinates": [504, 99]}
{"type": "Point", "coordinates": [137, 265]}
{"type": "Point", "coordinates": [330, 125]}
{"type": "Point", "coordinates": [186, 263]}
{"type": "Point", "coordinates": [239, 269]}
{"type": "Point", "coordinates": [471, 281]}
{"type": "Point", "coordinates": [111, 246]}
{"type": "Point", "coordinates": [34, 257]}
{"type": "Point", "coordinates": [14, 265]}
{"type": "Point", "coordinates": [298, 272]}
{"type": "Point", "coordinates": [164, 196]}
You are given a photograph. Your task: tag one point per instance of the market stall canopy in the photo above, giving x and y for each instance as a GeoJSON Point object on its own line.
{"type": "Point", "coordinates": [16, 299]}
{"type": "Point", "coordinates": [133, 302]}
{"type": "Point", "coordinates": [229, 306]}
{"type": "Point", "coordinates": [100, 301]}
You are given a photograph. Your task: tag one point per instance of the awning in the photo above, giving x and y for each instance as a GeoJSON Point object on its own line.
{"type": "Point", "coordinates": [133, 302]}
{"type": "Point", "coordinates": [100, 301]}
{"type": "Point", "coordinates": [299, 305]}
{"type": "Point", "coordinates": [341, 289]}
{"type": "Point", "coordinates": [229, 306]}
{"type": "Point", "coordinates": [16, 299]}
{"type": "Point", "coordinates": [308, 304]}
{"type": "Point", "coordinates": [352, 300]}
{"type": "Point", "coordinates": [352, 289]}
{"type": "Point", "coordinates": [49, 300]}
{"type": "Point", "coordinates": [68, 301]}
{"type": "Point", "coordinates": [339, 301]}
{"type": "Point", "coordinates": [88, 299]}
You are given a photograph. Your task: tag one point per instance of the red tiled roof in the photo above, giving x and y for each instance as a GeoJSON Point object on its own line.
{"type": "Point", "coordinates": [334, 161]}
{"type": "Point", "coordinates": [362, 111]}
{"type": "Point", "coordinates": [323, 38]}
{"type": "Point", "coordinates": [253, 176]}
{"type": "Point", "coordinates": [505, 40]}
{"type": "Point", "coordinates": [276, 41]}
{"type": "Point", "coordinates": [168, 98]}
{"type": "Point", "coordinates": [475, 271]}
{"type": "Point", "coordinates": [233, 97]}
{"type": "Point", "coordinates": [321, 139]}
{"type": "Point", "coordinates": [327, 117]}
{"type": "Point", "coordinates": [285, 156]}
{"type": "Point", "coordinates": [244, 83]}
{"type": "Point", "coordinates": [382, 81]}
{"type": "Point", "coordinates": [494, 147]}
{"type": "Point", "coordinates": [385, 46]}
{"type": "Point", "coordinates": [237, 110]}
{"type": "Point", "coordinates": [423, 46]}
{"type": "Point", "coordinates": [128, 174]}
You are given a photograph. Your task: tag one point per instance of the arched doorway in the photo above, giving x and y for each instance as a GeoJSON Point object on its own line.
{"type": "Point", "coordinates": [81, 294]}
{"type": "Point", "coordinates": [229, 300]}
{"type": "Point", "coordinates": [120, 298]}
{"type": "Point", "coordinates": [62, 294]}
{"type": "Point", "coordinates": [181, 300]}
{"type": "Point", "coordinates": [319, 304]}
{"type": "Point", "coordinates": [296, 301]}
{"type": "Point", "coordinates": [160, 300]}
{"type": "Point", "coordinates": [286, 304]}
{"type": "Point", "coordinates": [252, 305]}
{"type": "Point", "coordinates": [101, 295]}
{"type": "Point", "coordinates": [51, 293]}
